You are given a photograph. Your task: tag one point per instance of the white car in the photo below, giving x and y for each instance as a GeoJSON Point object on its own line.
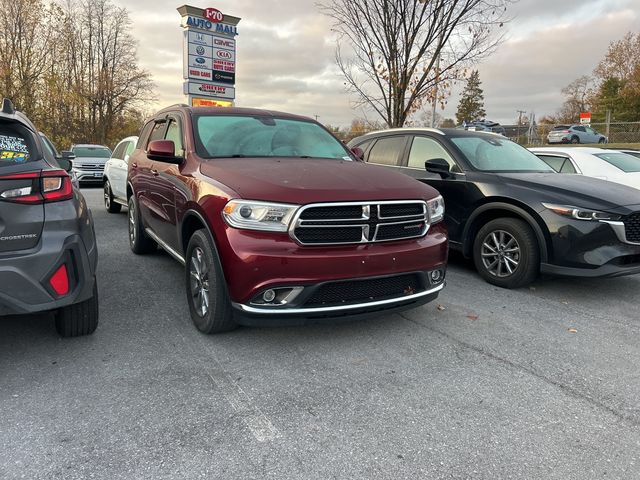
{"type": "Point", "coordinates": [605, 164]}
{"type": "Point", "coordinates": [115, 175]}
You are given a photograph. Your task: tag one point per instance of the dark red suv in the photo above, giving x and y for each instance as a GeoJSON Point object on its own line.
{"type": "Point", "coordinates": [277, 222]}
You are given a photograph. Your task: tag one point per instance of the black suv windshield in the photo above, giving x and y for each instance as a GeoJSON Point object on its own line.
{"type": "Point", "coordinates": [225, 136]}
{"type": "Point", "coordinates": [15, 145]}
{"type": "Point", "coordinates": [497, 154]}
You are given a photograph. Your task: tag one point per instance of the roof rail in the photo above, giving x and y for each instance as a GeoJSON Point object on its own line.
{"type": "Point", "coordinates": [7, 107]}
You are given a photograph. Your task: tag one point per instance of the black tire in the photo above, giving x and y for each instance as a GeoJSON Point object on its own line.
{"type": "Point", "coordinates": [522, 256]}
{"type": "Point", "coordinates": [109, 204]}
{"type": "Point", "coordinates": [139, 241]}
{"type": "Point", "coordinates": [575, 139]}
{"type": "Point", "coordinates": [602, 140]}
{"type": "Point", "coordinates": [80, 318]}
{"type": "Point", "coordinates": [209, 302]}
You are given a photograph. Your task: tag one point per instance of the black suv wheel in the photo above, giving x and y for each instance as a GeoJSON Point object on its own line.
{"type": "Point", "coordinates": [506, 253]}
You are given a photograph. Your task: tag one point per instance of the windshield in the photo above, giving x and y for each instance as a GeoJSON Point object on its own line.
{"type": "Point", "coordinates": [626, 163]}
{"type": "Point", "coordinates": [224, 136]}
{"type": "Point", "coordinates": [496, 154]}
{"type": "Point", "coordinates": [92, 152]}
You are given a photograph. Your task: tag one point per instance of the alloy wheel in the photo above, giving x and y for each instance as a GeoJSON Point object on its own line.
{"type": "Point", "coordinates": [132, 222]}
{"type": "Point", "coordinates": [500, 253]}
{"type": "Point", "coordinates": [107, 195]}
{"type": "Point", "coordinates": [199, 281]}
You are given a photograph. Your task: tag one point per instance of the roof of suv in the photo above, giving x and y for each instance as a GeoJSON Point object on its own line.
{"type": "Point", "coordinates": [233, 111]}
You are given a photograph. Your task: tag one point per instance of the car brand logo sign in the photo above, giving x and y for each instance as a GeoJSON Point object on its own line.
{"type": "Point", "coordinates": [200, 50]}
{"type": "Point", "coordinates": [224, 54]}
{"type": "Point", "coordinates": [213, 15]}
{"type": "Point", "coordinates": [200, 60]}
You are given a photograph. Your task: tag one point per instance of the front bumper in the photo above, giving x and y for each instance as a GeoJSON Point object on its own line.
{"type": "Point", "coordinates": [254, 262]}
{"type": "Point", "coordinates": [589, 249]}
{"type": "Point", "coordinates": [89, 176]}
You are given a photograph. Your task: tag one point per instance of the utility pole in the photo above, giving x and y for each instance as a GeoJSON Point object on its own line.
{"type": "Point", "coordinates": [520, 113]}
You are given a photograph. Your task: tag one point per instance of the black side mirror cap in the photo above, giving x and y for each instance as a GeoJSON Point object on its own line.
{"type": "Point", "coordinates": [65, 164]}
{"type": "Point", "coordinates": [439, 166]}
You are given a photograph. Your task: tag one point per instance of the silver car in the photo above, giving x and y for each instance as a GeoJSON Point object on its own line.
{"type": "Point", "coordinates": [575, 134]}
{"type": "Point", "coordinates": [89, 161]}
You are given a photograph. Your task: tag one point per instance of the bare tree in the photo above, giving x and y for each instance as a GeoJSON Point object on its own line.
{"type": "Point", "coordinates": [397, 54]}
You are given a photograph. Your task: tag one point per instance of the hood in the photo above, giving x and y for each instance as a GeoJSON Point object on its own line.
{"type": "Point", "coordinates": [575, 190]}
{"type": "Point", "coordinates": [307, 180]}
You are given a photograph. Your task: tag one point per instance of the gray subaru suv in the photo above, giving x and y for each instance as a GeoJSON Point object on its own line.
{"type": "Point", "coordinates": [48, 254]}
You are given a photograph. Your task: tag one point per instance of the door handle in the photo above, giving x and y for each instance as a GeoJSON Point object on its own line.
{"type": "Point", "coordinates": [134, 165]}
{"type": "Point", "coordinates": [154, 172]}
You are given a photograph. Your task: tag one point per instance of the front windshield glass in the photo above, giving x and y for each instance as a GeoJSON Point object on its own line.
{"type": "Point", "coordinates": [497, 154]}
{"type": "Point", "coordinates": [92, 152]}
{"type": "Point", "coordinates": [226, 136]}
{"type": "Point", "coordinates": [626, 163]}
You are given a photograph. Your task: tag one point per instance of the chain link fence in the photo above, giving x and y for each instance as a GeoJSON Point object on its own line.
{"type": "Point", "coordinates": [620, 132]}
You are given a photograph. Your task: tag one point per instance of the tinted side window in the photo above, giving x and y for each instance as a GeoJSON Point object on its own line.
{"type": "Point", "coordinates": [580, 129]}
{"type": "Point", "coordinates": [16, 145]}
{"type": "Point", "coordinates": [387, 151]}
{"type": "Point", "coordinates": [119, 151]}
{"type": "Point", "coordinates": [131, 146]}
{"type": "Point", "coordinates": [567, 167]}
{"type": "Point", "coordinates": [158, 131]}
{"type": "Point", "coordinates": [144, 135]}
{"type": "Point", "coordinates": [424, 148]}
{"type": "Point", "coordinates": [553, 161]}
{"type": "Point", "coordinates": [174, 133]}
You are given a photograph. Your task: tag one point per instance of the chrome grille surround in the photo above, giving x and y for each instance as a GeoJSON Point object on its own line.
{"type": "Point", "coordinates": [365, 226]}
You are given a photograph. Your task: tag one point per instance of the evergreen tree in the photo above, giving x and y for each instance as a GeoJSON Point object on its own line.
{"type": "Point", "coordinates": [471, 106]}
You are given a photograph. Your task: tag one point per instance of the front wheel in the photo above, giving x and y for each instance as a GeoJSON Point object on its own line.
{"type": "Point", "coordinates": [602, 140]}
{"type": "Point", "coordinates": [209, 302]}
{"type": "Point", "coordinates": [506, 253]}
{"type": "Point", "coordinates": [109, 203]}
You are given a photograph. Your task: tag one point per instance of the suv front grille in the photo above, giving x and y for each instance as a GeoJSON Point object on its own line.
{"type": "Point", "coordinates": [343, 223]}
{"type": "Point", "coordinates": [363, 291]}
{"type": "Point", "coordinates": [632, 227]}
{"type": "Point", "coordinates": [91, 167]}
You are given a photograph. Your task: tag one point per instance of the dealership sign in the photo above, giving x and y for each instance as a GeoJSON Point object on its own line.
{"type": "Point", "coordinates": [209, 55]}
{"type": "Point", "coordinates": [209, 90]}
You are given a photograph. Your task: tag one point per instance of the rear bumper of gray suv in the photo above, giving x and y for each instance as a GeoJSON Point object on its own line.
{"type": "Point", "coordinates": [24, 275]}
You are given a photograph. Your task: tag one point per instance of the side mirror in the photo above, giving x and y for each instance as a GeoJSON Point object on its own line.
{"type": "Point", "coordinates": [163, 151]}
{"type": "Point", "coordinates": [438, 166]}
{"type": "Point", "coordinates": [67, 155]}
{"type": "Point", "coordinates": [358, 153]}
{"type": "Point", "coordinates": [65, 164]}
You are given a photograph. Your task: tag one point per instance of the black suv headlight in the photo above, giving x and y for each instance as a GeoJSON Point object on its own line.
{"type": "Point", "coordinates": [581, 213]}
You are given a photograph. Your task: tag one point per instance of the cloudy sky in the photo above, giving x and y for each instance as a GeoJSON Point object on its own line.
{"type": "Point", "coordinates": [285, 54]}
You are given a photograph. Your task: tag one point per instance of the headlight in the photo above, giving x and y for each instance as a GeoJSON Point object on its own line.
{"type": "Point", "coordinates": [250, 215]}
{"type": "Point", "coordinates": [581, 213]}
{"type": "Point", "coordinates": [436, 209]}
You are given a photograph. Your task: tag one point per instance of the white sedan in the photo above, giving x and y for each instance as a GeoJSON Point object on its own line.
{"type": "Point", "coordinates": [115, 175]}
{"type": "Point", "coordinates": [605, 164]}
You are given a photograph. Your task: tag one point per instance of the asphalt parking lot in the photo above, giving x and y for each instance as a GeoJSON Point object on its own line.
{"type": "Point", "coordinates": [482, 384]}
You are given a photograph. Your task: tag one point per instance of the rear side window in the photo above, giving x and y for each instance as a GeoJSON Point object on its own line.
{"type": "Point", "coordinates": [559, 164]}
{"type": "Point", "coordinates": [119, 151]}
{"type": "Point", "coordinates": [387, 151]}
{"type": "Point", "coordinates": [144, 135]}
{"type": "Point", "coordinates": [16, 145]}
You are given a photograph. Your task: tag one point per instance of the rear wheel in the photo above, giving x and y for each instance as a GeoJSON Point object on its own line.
{"type": "Point", "coordinates": [209, 302]}
{"type": "Point", "coordinates": [80, 318]}
{"type": "Point", "coordinates": [139, 241]}
{"type": "Point", "coordinates": [506, 253]}
{"type": "Point", "coordinates": [109, 203]}
{"type": "Point", "coordinates": [575, 139]}
{"type": "Point", "coordinates": [602, 140]}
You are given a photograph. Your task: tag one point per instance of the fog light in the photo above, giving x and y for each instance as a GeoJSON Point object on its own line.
{"type": "Point", "coordinates": [269, 296]}
{"type": "Point", "coordinates": [437, 276]}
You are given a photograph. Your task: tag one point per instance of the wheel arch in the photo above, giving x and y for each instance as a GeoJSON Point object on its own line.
{"type": "Point", "coordinates": [193, 221]}
{"type": "Point", "coordinates": [499, 208]}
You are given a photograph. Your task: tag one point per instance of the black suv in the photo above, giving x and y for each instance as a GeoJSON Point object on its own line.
{"type": "Point", "coordinates": [48, 251]}
{"type": "Point", "coordinates": [510, 211]}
